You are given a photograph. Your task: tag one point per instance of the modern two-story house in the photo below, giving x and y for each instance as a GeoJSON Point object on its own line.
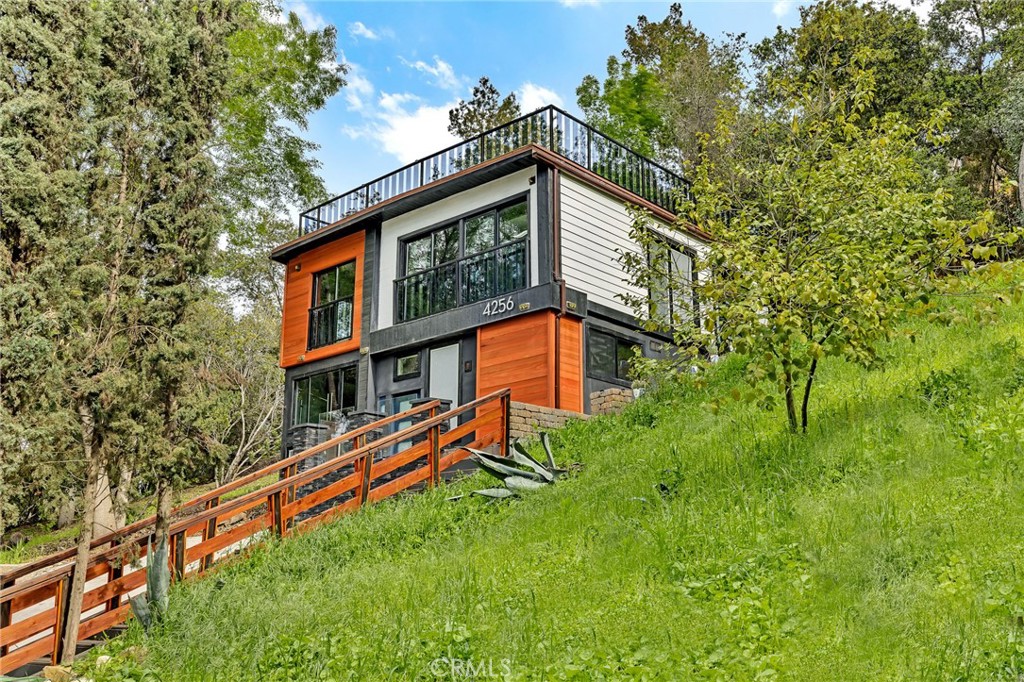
{"type": "Point", "coordinates": [492, 263]}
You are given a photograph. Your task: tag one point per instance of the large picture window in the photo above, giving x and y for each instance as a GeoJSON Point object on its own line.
{"type": "Point", "coordinates": [609, 357]}
{"type": "Point", "coordinates": [481, 256]}
{"type": "Point", "coordinates": [322, 396]}
{"type": "Point", "coordinates": [330, 318]}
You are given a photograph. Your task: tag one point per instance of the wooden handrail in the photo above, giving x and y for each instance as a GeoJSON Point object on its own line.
{"type": "Point", "coordinates": [276, 467]}
{"type": "Point", "coordinates": [371, 479]}
{"type": "Point", "coordinates": [297, 480]}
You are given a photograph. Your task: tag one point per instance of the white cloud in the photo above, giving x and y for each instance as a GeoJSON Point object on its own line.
{"type": "Point", "coordinates": [533, 97]}
{"type": "Point", "coordinates": [440, 71]}
{"type": "Point", "coordinates": [358, 29]}
{"type": "Point", "coordinates": [573, 4]}
{"type": "Point", "coordinates": [406, 127]}
{"type": "Point", "coordinates": [781, 8]}
{"type": "Point", "coordinates": [393, 103]}
{"type": "Point", "coordinates": [358, 89]}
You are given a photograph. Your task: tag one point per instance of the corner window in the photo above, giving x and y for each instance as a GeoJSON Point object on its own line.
{"type": "Point", "coordinates": [330, 318]}
{"type": "Point", "coordinates": [407, 366]}
{"type": "Point", "coordinates": [479, 257]}
{"type": "Point", "coordinates": [671, 295]}
{"type": "Point", "coordinates": [325, 396]}
{"type": "Point", "coordinates": [609, 357]}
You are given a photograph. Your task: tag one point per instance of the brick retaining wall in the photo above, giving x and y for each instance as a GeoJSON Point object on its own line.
{"type": "Point", "coordinates": [526, 421]}
{"type": "Point", "coordinates": [610, 400]}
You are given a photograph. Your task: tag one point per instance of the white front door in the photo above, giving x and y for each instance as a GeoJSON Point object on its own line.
{"type": "Point", "coordinates": [444, 373]}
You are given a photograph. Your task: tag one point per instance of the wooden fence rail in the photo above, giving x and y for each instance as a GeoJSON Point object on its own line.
{"type": "Point", "coordinates": [215, 525]}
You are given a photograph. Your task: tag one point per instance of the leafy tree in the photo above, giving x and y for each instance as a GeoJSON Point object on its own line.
{"type": "Point", "coordinates": [838, 234]}
{"type": "Point", "coordinates": [1009, 122]}
{"type": "Point", "coordinates": [116, 260]}
{"type": "Point", "coordinates": [233, 402]}
{"type": "Point", "coordinates": [64, 152]}
{"type": "Point", "coordinates": [280, 74]}
{"type": "Point", "coordinates": [486, 109]}
{"type": "Point", "coordinates": [980, 45]}
{"type": "Point", "coordinates": [45, 76]}
{"type": "Point", "coordinates": [660, 98]}
{"type": "Point", "coordinates": [820, 54]}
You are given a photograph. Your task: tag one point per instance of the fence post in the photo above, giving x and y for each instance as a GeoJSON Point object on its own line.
{"type": "Point", "coordinates": [113, 573]}
{"type": "Point", "coordinates": [551, 128]}
{"type": "Point", "coordinates": [209, 532]}
{"type": "Point", "coordinates": [506, 419]}
{"type": "Point", "coordinates": [364, 485]}
{"type": "Point", "coordinates": [276, 512]}
{"type": "Point", "coordinates": [5, 613]}
{"type": "Point", "coordinates": [178, 542]}
{"type": "Point", "coordinates": [434, 457]}
{"type": "Point", "coordinates": [58, 620]}
{"type": "Point", "coordinates": [62, 601]}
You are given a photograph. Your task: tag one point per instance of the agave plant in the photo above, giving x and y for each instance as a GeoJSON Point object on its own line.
{"type": "Point", "coordinates": [150, 607]}
{"type": "Point", "coordinates": [519, 472]}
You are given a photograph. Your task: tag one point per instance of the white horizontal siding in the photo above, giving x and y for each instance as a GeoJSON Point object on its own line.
{"type": "Point", "coordinates": [595, 230]}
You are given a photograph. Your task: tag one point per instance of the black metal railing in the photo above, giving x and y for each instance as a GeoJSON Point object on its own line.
{"type": "Point", "coordinates": [549, 127]}
{"type": "Point", "coordinates": [330, 323]}
{"type": "Point", "coordinates": [474, 278]}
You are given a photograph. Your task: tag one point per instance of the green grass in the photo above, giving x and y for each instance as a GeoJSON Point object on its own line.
{"type": "Point", "coordinates": [888, 543]}
{"type": "Point", "coordinates": [42, 540]}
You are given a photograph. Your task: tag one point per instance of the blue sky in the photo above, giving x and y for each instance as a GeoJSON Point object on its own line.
{"type": "Point", "coordinates": [410, 62]}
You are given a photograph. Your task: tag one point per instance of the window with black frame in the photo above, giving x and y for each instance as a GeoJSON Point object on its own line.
{"type": "Point", "coordinates": [479, 257]}
{"type": "Point", "coordinates": [330, 318]}
{"type": "Point", "coordinates": [671, 293]}
{"type": "Point", "coordinates": [323, 395]}
{"type": "Point", "coordinates": [609, 357]}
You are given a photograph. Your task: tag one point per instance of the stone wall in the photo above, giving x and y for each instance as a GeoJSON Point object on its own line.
{"type": "Point", "coordinates": [610, 400]}
{"type": "Point", "coordinates": [526, 421]}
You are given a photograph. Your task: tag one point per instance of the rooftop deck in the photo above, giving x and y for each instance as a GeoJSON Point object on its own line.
{"type": "Point", "coordinates": [549, 127]}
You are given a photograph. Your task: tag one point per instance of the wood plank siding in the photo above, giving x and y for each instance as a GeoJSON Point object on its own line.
{"type": "Point", "coordinates": [570, 364]}
{"type": "Point", "coordinates": [298, 298]}
{"type": "Point", "coordinates": [519, 353]}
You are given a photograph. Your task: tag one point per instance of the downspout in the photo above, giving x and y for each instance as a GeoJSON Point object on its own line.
{"type": "Point", "coordinates": [556, 252]}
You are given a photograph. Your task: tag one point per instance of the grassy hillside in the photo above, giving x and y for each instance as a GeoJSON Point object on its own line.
{"type": "Point", "coordinates": [886, 544]}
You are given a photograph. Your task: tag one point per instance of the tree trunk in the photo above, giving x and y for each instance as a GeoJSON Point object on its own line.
{"type": "Point", "coordinates": [790, 405]}
{"type": "Point", "coordinates": [94, 466]}
{"type": "Point", "coordinates": [164, 499]}
{"type": "Point", "coordinates": [104, 520]}
{"type": "Point", "coordinates": [124, 484]}
{"type": "Point", "coordinates": [1020, 177]}
{"type": "Point", "coordinates": [163, 483]}
{"type": "Point", "coordinates": [807, 394]}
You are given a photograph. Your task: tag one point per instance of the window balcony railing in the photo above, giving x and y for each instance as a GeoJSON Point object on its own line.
{"type": "Point", "coordinates": [330, 323]}
{"type": "Point", "coordinates": [550, 127]}
{"type": "Point", "coordinates": [484, 275]}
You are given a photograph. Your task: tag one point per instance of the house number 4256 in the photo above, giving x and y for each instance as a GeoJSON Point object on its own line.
{"type": "Point", "coordinates": [499, 306]}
